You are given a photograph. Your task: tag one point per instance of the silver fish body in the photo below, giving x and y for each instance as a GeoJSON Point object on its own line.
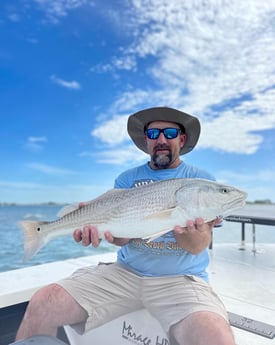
{"type": "Point", "coordinates": [144, 212]}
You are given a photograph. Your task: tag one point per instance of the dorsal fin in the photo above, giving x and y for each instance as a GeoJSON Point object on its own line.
{"type": "Point", "coordinates": [110, 192]}
{"type": "Point", "coordinates": [73, 207]}
{"type": "Point", "coordinates": [67, 209]}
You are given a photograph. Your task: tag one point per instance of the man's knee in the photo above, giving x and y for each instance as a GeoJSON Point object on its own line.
{"type": "Point", "coordinates": [47, 293]}
{"type": "Point", "coordinates": [44, 298]}
{"type": "Point", "coordinates": [40, 316]}
{"type": "Point", "coordinates": [201, 328]}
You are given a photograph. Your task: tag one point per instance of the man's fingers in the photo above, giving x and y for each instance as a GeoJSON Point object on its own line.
{"type": "Point", "coordinates": [86, 236]}
{"type": "Point", "coordinates": [191, 225]}
{"type": "Point", "coordinates": [199, 224]}
{"type": "Point", "coordinates": [109, 237]}
{"type": "Point", "coordinates": [77, 235]}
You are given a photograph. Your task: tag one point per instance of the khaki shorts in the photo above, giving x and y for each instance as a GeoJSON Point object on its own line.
{"type": "Point", "coordinates": [109, 291]}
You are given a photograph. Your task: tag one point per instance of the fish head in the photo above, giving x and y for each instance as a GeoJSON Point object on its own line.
{"type": "Point", "coordinates": [209, 199]}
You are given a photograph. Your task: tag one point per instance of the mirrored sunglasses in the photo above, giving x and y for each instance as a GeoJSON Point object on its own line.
{"type": "Point", "coordinates": [169, 133]}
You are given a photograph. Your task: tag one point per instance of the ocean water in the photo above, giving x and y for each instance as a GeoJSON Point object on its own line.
{"type": "Point", "coordinates": [12, 242]}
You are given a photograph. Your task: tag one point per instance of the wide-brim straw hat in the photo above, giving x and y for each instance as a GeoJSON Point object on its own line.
{"type": "Point", "coordinates": [138, 122]}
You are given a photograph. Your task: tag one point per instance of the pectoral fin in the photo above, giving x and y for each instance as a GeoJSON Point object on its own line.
{"type": "Point", "coordinates": [156, 235]}
{"type": "Point", "coordinates": [164, 214]}
{"type": "Point", "coordinates": [177, 213]}
{"type": "Point", "coordinates": [159, 216]}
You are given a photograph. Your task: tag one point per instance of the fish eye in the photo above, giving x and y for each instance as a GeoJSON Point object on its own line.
{"type": "Point", "coordinates": [38, 229]}
{"type": "Point", "coordinates": [224, 190]}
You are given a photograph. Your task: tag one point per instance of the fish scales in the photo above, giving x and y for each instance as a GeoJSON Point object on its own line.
{"type": "Point", "coordinates": [145, 212]}
{"type": "Point", "coordinates": [112, 205]}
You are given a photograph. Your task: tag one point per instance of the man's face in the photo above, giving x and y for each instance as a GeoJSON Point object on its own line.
{"type": "Point", "coordinates": [164, 152]}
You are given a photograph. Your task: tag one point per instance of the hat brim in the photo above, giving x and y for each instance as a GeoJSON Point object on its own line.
{"type": "Point", "coordinates": [138, 121]}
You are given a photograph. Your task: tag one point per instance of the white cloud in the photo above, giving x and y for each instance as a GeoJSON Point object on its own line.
{"type": "Point", "coordinates": [28, 192]}
{"type": "Point", "coordinates": [73, 85]}
{"type": "Point", "coordinates": [214, 61]}
{"type": "Point", "coordinates": [127, 63]}
{"type": "Point", "coordinates": [240, 129]}
{"type": "Point", "coordinates": [19, 184]}
{"type": "Point", "coordinates": [214, 54]}
{"type": "Point", "coordinates": [14, 17]}
{"type": "Point", "coordinates": [112, 131]}
{"type": "Point", "coordinates": [121, 156]}
{"type": "Point", "coordinates": [49, 170]}
{"type": "Point", "coordinates": [37, 139]}
{"type": "Point", "coordinates": [35, 144]}
{"type": "Point", "coordinates": [56, 9]}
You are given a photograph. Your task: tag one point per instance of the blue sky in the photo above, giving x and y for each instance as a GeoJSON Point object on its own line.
{"type": "Point", "coordinates": [71, 72]}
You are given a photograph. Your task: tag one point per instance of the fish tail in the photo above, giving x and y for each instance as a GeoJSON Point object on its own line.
{"type": "Point", "coordinates": [32, 241]}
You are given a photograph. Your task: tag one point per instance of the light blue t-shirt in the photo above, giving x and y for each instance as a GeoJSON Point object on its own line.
{"type": "Point", "coordinates": [162, 256]}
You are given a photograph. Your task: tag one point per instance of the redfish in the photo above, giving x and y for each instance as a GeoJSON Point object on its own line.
{"type": "Point", "coordinates": [146, 212]}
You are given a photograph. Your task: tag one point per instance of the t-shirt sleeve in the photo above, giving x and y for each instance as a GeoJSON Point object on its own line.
{"type": "Point", "coordinates": [193, 172]}
{"type": "Point", "coordinates": [122, 181]}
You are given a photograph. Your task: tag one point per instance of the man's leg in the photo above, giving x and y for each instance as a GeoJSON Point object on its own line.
{"type": "Point", "coordinates": [202, 328]}
{"type": "Point", "coordinates": [50, 307]}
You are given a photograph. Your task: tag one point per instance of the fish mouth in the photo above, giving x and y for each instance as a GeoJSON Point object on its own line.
{"type": "Point", "coordinates": [236, 204]}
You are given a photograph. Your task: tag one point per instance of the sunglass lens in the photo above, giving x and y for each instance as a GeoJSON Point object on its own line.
{"type": "Point", "coordinates": [170, 133]}
{"type": "Point", "coordinates": [153, 133]}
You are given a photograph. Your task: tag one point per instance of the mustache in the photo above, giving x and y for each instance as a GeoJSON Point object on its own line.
{"type": "Point", "coordinates": [161, 147]}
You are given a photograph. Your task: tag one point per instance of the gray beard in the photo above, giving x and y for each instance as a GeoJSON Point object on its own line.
{"type": "Point", "coordinates": [162, 161]}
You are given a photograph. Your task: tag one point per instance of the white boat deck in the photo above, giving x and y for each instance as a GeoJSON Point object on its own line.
{"type": "Point", "coordinates": [18, 286]}
{"type": "Point", "coordinates": [245, 281]}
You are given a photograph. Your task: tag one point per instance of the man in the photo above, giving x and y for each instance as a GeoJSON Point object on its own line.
{"type": "Point", "coordinates": [168, 278]}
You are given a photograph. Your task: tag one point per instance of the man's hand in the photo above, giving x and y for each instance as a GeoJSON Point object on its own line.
{"type": "Point", "coordinates": [89, 235]}
{"type": "Point", "coordinates": [196, 236]}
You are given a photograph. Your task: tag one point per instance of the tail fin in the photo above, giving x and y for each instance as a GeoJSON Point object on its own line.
{"type": "Point", "coordinates": [32, 241]}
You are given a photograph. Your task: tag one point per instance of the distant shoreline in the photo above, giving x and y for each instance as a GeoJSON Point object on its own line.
{"type": "Point", "coordinates": [52, 203]}
{"type": "Point", "coordinates": [260, 202]}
